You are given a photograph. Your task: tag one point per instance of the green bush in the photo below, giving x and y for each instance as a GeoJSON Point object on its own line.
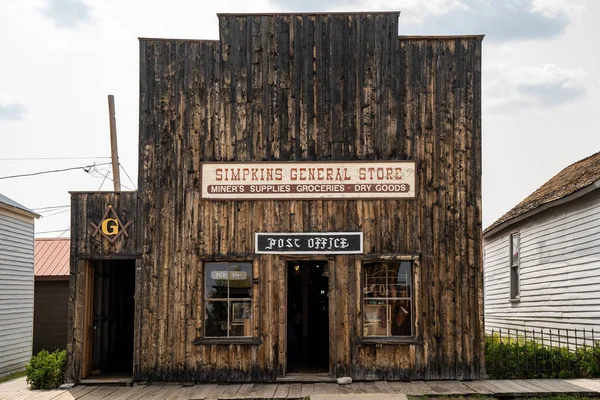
{"type": "Point", "coordinates": [46, 370]}
{"type": "Point", "coordinates": [527, 359]}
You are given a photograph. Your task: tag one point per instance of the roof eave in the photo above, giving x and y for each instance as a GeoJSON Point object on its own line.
{"type": "Point", "coordinates": [20, 211]}
{"type": "Point", "coordinates": [543, 207]}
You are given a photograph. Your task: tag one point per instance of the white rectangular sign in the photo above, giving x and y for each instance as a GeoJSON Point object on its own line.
{"type": "Point", "coordinates": [308, 180]}
{"type": "Point", "coordinates": [308, 243]}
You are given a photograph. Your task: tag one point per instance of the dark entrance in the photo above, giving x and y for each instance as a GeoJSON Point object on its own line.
{"type": "Point", "coordinates": [308, 317]}
{"type": "Point", "coordinates": [112, 317]}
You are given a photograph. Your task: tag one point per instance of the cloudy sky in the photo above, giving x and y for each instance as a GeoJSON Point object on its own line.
{"type": "Point", "coordinates": [60, 59]}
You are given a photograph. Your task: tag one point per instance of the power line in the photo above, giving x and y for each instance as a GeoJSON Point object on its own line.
{"type": "Point", "coordinates": [50, 158]}
{"type": "Point", "coordinates": [84, 167]}
{"type": "Point", "coordinates": [103, 180]}
{"type": "Point", "coordinates": [65, 231]}
{"type": "Point", "coordinates": [49, 207]}
{"type": "Point", "coordinates": [58, 230]}
{"type": "Point", "coordinates": [123, 168]}
{"type": "Point", "coordinates": [105, 177]}
{"type": "Point", "coordinates": [56, 213]}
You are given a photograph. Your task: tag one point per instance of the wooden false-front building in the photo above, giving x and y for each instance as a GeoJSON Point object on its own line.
{"type": "Point", "coordinates": [309, 202]}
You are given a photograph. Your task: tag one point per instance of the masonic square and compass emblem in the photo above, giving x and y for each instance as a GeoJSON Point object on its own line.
{"type": "Point", "coordinates": [111, 226]}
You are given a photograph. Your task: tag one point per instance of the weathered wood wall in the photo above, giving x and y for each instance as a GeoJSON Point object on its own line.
{"type": "Point", "coordinates": [90, 207]}
{"type": "Point", "coordinates": [87, 208]}
{"type": "Point", "coordinates": [310, 87]}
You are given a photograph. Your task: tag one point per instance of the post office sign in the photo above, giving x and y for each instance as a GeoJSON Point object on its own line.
{"type": "Point", "coordinates": [309, 243]}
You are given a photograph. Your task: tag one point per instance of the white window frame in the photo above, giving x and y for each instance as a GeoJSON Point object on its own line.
{"type": "Point", "coordinates": [515, 266]}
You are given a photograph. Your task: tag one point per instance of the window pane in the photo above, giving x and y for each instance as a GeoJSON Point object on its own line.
{"type": "Point", "coordinates": [377, 318]}
{"type": "Point", "coordinates": [216, 280]}
{"type": "Point", "coordinates": [514, 282]}
{"type": "Point", "coordinates": [375, 280]}
{"type": "Point", "coordinates": [401, 317]}
{"type": "Point", "coordinates": [215, 318]}
{"type": "Point", "coordinates": [241, 318]}
{"type": "Point", "coordinates": [399, 280]}
{"type": "Point", "coordinates": [515, 249]}
{"type": "Point", "coordinates": [240, 280]}
{"type": "Point", "coordinates": [385, 283]}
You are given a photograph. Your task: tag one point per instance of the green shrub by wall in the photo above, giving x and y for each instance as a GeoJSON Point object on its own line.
{"type": "Point", "coordinates": [46, 370]}
{"type": "Point", "coordinates": [528, 359]}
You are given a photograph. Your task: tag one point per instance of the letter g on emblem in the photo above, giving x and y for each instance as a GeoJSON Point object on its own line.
{"type": "Point", "coordinates": [111, 227]}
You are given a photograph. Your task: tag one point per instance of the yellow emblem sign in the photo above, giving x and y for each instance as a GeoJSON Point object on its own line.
{"type": "Point", "coordinates": [111, 227]}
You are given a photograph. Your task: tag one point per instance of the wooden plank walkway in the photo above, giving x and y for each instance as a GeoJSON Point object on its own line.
{"type": "Point", "coordinates": [502, 388]}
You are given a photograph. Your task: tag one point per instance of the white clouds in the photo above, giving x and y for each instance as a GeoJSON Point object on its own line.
{"type": "Point", "coordinates": [500, 21]}
{"type": "Point", "coordinates": [416, 10]}
{"type": "Point", "coordinates": [67, 13]}
{"type": "Point", "coordinates": [12, 107]}
{"type": "Point", "coordinates": [557, 8]}
{"type": "Point", "coordinates": [508, 87]}
{"type": "Point", "coordinates": [548, 75]}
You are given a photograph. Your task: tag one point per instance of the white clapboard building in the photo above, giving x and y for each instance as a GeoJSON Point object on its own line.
{"type": "Point", "coordinates": [542, 258]}
{"type": "Point", "coordinates": [16, 285]}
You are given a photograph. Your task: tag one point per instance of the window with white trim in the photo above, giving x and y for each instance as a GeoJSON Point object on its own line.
{"type": "Point", "coordinates": [515, 258]}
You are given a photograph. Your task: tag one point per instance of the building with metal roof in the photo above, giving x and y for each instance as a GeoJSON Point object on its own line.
{"type": "Point", "coordinates": [51, 293]}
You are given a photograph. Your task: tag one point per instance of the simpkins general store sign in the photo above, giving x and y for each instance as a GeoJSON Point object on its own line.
{"type": "Point", "coordinates": [308, 180]}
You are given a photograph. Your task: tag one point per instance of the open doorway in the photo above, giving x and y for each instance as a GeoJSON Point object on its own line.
{"type": "Point", "coordinates": [307, 317]}
{"type": "Point", "coordinates": [110, 305]}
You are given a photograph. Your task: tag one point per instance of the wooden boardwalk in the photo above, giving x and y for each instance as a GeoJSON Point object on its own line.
{"type": "Point", "coordinates": [502, 388]}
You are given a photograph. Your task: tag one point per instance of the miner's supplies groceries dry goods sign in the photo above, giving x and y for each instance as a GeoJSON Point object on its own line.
{"type": "Point", "coordinates": [308, 180]}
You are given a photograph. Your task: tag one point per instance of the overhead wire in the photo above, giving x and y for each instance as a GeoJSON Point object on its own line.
{"type": "Point", "coordinates": [104, 175]}
{"type": "Point", "coordinates": [56, 213]}
{"type": "Point", "coordinates": [49, 207]}
{"type": "Point", "coordinates": [128, 177]}
{"type": "Point", "coordinates": [50, 158]}
{"type": "Point", "coordinates": [65, 231]}
{"type": "Point", "coordinates": [90, 169]}
{"type": "Point", "coordinates": [103, 180]}
{"type": "Point", "coordinates": [86, 168]}
{"type": "Point", "coordinates": [58, 230]}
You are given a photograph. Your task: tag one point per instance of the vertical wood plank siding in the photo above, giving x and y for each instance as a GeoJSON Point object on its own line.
{"type": "Point", "coordinates": [307, 88]}
{"type": "Point", "coordinates": [87, 208]}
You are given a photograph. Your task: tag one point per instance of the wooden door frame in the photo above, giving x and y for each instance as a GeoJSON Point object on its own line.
{"type": "Point", "coordinates": [88, 265]}
{"type": "Point", "coordinates": [330, 260]}
{"type": "Point", "coordinates": [88, 318]}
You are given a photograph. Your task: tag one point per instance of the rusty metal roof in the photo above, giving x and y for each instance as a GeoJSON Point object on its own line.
{"type": "Point", "coordinates": [575, 178]}
{"type": "Point", "coordinates": [51, 258]}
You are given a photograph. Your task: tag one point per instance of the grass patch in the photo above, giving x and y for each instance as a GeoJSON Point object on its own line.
{"type": "Point", "coordinates": [483, 397]}
{"type": "Point", "coordinates": [12, 376]}
{"type": "Point", "coordinates": [452, 397]}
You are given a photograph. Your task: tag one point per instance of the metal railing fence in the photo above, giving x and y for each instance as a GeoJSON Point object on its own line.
{"type": "Point", "coordinates": [542, 353]}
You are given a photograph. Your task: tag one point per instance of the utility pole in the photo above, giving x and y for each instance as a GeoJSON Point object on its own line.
{"type": "Point", "coordinates": [114, 152]}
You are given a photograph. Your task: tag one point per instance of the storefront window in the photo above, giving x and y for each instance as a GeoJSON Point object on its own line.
{"type": "Point", "coordinates": [228, 299]}
{"type": "Point", "coordinates": [387, 298]}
